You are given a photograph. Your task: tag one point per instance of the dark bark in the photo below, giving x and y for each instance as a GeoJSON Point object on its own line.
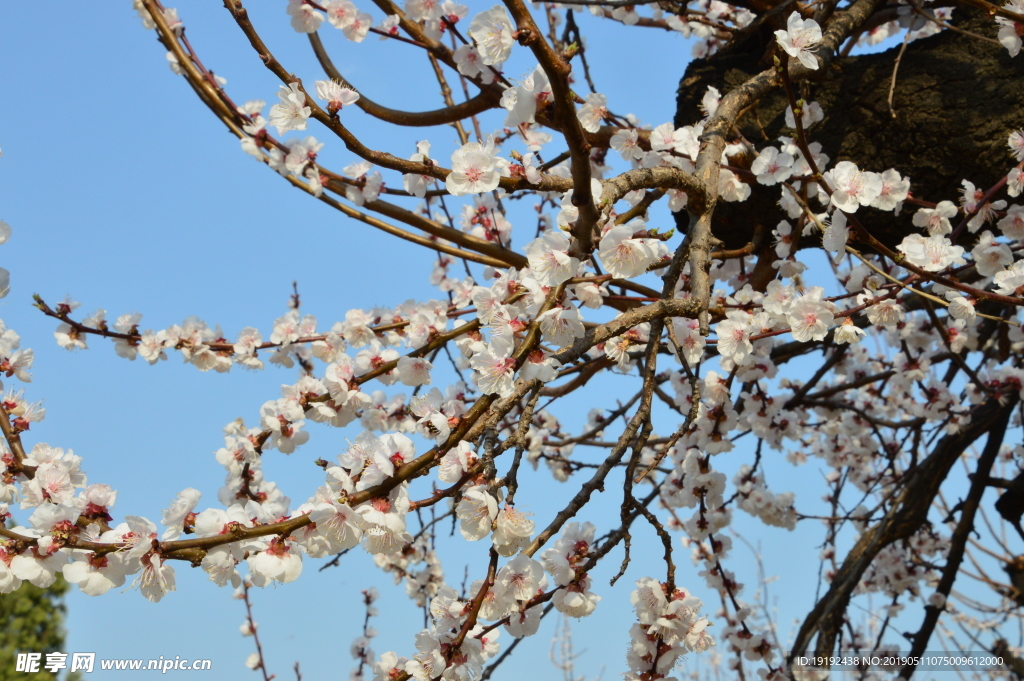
{"type": "Point", "coordinates": [1010, 504]}
{"type": "Point", "coordinates": [956, 100]}
{"type": "Point", "coordinates": [1011, 662]}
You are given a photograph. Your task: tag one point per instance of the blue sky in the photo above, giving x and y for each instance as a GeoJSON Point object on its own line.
{"type": "Point", "coordinates": [126, 193]}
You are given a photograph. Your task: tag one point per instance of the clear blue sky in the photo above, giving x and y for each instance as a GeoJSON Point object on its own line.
{"type": "Point", "coordinates": [124, 191]}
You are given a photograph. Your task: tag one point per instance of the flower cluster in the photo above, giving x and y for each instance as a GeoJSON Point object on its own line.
{"type": "Point", "coordinates": [669, 626]}
{"type": "Point", "coordinates": [536, 303]}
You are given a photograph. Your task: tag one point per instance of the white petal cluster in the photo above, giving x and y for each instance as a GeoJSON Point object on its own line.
{"type": "Point", "coordinates": [799, 38]}
{"type": "Point", "coordinates": [669, 626]}
{"type": "Point", "coordinates": [852, 187]}
{"type": "Point", "coordinates": [936, 220]}
{"type": "Point", "coordinates": [932, 253]}
{"type": "Point", "coordinates": [549, 258]}
{"type": "Point", "coordinates": [476, 168]}
{"type": "Point", "coordinates": [336, 95]}
{"type": "Point", "coordinates": [1009, 30]}
{"type": "Point", "coordinates": [564, 562]}
{"type": "Point", "coordinates": [493, 33]}
{"type": "Point", "coordinates": [379, 365]}
{"type": "Point", "coordinates": [772, 167]}
{"type": "Point", "coordinates": [291, 112]}
{"type": "Point", "coordinates": [523, 99]}
{"type": "Point", "coordinates": [625, 256]}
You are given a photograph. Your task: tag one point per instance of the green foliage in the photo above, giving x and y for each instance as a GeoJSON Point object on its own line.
{"type": "Point", "coordinates": [32, 621]}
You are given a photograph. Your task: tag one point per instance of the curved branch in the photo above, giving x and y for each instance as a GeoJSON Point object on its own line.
{"type": "Point", "coordinates": [700, 239]}
{"type": "Point", "coordinates": [660, 178]}
{"type": "Point", "coordinates": [486, 99]}
{"type": "Point", "coordinates": [401, 233]}
{"type": "Point", "coordinates": [685, 307]}
{"type": "Point", "coordinates": [958, 542]}
{"type": "Point", "coordinates": [557, 70]}
{"type": "Point", "coordinates": [493, 251]}
{"type": "Point", "coordinates": [907, 514]}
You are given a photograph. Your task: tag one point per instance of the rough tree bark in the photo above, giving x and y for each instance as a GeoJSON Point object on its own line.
{"type": "Point", "coordinates": [955, 101]}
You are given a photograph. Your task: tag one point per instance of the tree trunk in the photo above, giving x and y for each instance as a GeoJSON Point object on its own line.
{"type": "Point", "coordinates": [956, 100]}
